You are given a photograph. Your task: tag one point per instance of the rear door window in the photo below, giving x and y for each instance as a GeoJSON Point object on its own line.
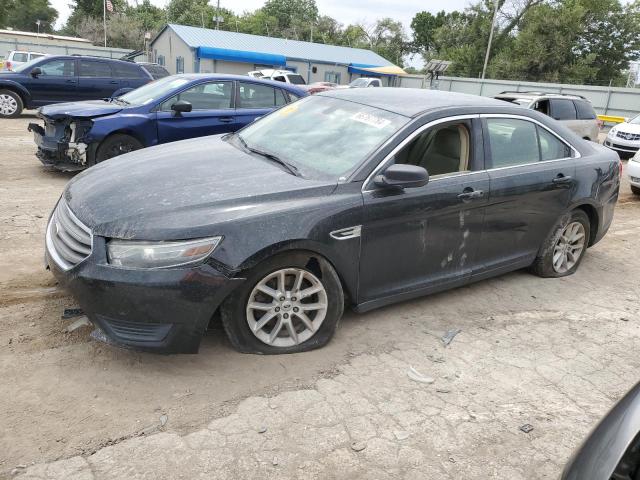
{"type": "Point", "coordinates": [585, 110]}
{"type": "Point", "coordinates": [20, 57]}
{"type": "Point", "coordinates": [551, 147]}
{"type": "Point", "coordinates": [280, 78]}
{"type": "Point", "coordinates": [252, 95]}
{"type": "Point", "coordinates": [563, 109]}
{"type": "Point", "coordinates": [520, 142]}
{"type": "Point", "coordinates": [93, 68]}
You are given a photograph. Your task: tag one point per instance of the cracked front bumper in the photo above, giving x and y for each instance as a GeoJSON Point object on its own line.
{"type": "Point", "coordinates": [59, 153]}
{"type": "Point", "coordinates": [163, 310]}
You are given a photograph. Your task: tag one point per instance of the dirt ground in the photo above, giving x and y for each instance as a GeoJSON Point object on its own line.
{"type": "Point", "coordinates": [65, 395]}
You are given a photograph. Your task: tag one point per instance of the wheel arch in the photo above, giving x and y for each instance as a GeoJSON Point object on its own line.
{"type": "Point", "coordinates": [311, 248]}
{"type": "Point", "coordinates": [124, 131]}
{"type": "Point", "coordinates": [18, 90]}
{"type": "Point", "coordinates": [594, 220]}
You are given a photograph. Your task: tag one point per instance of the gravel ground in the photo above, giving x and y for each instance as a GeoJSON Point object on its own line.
{"type": "Point", "coordinates": [555, 354]}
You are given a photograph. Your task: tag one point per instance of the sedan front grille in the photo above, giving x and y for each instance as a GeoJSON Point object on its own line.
{"type": "Point", "coordinates": [68, 240]}
{"type": "Point", "coordinates": [628, 136]}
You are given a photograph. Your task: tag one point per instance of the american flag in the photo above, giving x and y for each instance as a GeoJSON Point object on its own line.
{"type": "Point", "coordinates": [109, 6]}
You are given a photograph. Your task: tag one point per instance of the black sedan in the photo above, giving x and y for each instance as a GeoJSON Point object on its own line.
{"type": "Point", "coordinates": [360, 197]}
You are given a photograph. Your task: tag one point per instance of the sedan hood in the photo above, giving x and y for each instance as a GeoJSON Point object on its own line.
{"type": "Point", "coordinates": [183, 190]}
{"type": "Point", "coordinates": [89, 109]}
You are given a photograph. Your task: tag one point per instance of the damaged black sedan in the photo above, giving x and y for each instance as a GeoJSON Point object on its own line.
{"type": "Point", "coordinates": [359, 197]}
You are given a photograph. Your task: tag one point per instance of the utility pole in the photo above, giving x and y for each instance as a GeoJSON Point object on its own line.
{"type": "Point", "coordinates": [104, 20]}
{"type": "Point", "coordinates": [493, 25]}
{"type": "Point", "coordinates": [218, 16]}
{"type": "Point", "coordinates": [237, 29]}
{"type": "Point", "coordinates": [311, 39]}
{"type": "Point", "coordinates": [38, 22]}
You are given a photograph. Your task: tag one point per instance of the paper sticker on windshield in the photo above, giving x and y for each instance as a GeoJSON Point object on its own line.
{"type": "Point", "coordinates": [287, 110]}
{"type": "Point", "coordinates": [371, 120]}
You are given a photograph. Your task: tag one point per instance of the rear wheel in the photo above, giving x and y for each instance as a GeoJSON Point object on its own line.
{"type": "Point", "coordinates": [290, 303]}
{"type": "Point", "coordinates": [11, 104]}
{"type": "Point", "coordinates": [564, 248]}
{"type": "Point", "coordinates": [116, 145]}
{"type": "Point", "coordinates": [635, 190]}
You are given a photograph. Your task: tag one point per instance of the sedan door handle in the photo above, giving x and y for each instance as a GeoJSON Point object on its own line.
{"type": "Point", "coordinates": [226, 119]}
{"type": "Point", "coordinates": [71, 81]}
{"type": "Point", "coordinates": [560, 179]}
{"type": "Point", "coordinates": [470, 194]}
{"type": "Point", "coordinates": [114, 82]}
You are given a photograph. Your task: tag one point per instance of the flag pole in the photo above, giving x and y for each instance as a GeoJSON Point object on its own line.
{"type": "Point", "coordinates": [104, 20]}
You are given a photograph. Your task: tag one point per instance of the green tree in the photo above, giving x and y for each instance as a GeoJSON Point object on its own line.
{"type": "Point", "coordinates": [23, 15]}
{"type": "Point", "coordinates": [290, 14]}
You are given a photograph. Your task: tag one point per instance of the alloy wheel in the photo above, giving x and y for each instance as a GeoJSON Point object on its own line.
{"type": "Point", "coordinates": [8, 105]}
{"type": "Point", "coordinates": [569, 247]}
{"type": "Point", "coordinates": [287, 307]}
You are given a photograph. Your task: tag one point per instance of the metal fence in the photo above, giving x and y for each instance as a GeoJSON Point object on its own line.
{"type": "Point", "coordinates": [7, 45]}
{"type": "Point", "coordinates": [624, 102]}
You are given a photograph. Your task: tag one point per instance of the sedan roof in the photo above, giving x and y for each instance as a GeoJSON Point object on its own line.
{"type": "Point", "coordinates": [411, 102]}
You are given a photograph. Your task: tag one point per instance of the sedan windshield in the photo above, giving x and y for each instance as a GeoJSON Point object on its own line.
{"type": "Point", "coordinates": [323, 137]}
{"type": "Point", "coordinates": [153, 91]}
{"type": "Point", "coordinates": [635, 120]}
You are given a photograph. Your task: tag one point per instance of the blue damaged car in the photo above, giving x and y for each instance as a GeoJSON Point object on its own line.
{"type": "Point", "coordinates": [77, 135]}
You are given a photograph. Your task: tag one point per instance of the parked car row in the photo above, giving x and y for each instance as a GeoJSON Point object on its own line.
{"type": "Point", "coordinates": [77, 135]}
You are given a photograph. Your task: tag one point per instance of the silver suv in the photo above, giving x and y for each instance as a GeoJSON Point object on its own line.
{"type": "Point", "coordinates": [574, 111]}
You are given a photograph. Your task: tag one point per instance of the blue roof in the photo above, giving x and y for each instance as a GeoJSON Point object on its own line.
{"type": "Point", "coordinates": [196, 37]}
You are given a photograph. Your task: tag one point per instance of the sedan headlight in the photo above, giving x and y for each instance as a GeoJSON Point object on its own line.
{"type": "Point", "coordinates": [613, 131]}
{"type": "Point", "coordinates": [139, 254]}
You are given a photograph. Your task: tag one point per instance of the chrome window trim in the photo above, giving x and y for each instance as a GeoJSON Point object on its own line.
{"type": "Point", "coordinates": [419, 130]}
{"type": "Point", "coordinates": [407, 140]}
{"type": "Point", "coordinates": [577, 154]}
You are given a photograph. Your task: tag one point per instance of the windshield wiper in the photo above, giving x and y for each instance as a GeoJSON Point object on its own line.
{"type": "Point", "coordinates": [292, 169]}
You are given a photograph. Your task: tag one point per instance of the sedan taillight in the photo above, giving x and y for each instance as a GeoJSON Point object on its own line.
{"type": "Point", "coordinates": [8, 65]}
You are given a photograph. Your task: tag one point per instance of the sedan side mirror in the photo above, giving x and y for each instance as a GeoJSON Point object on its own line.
{"type": "Point", "coordinates": [403, 176]}
{"type": "Point", "coordinates": [35, 72]}
{"type": "Point", "coordinates": [181, 107]}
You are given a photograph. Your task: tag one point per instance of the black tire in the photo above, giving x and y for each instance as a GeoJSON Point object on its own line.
{"type": "Point", "coordinates": [543, 264]}
{"type": "Point", "coordinates": [233, 311]}
{"type": "Point", "coordinates": [116, 145]}
{"type": "Point", "coordinates": [11, 105]}
{"type": "Point", "coordinates": [635, 190]}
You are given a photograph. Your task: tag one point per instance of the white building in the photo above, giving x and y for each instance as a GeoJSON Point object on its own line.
{"type": "Point", "coordinates": [184, 49]}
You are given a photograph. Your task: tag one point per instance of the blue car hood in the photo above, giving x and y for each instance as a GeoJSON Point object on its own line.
{"type": "Point", "coordinates": [88, 109]}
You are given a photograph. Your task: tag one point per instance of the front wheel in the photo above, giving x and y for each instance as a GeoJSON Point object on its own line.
{"type": "Point", "coordinates": [11, 104]}
{"type": "Point", "coordinates": [635, 190]}
{"type": "Point", "coordinates": [116, 145]}
{"type": "Point", "coordinates": [564, 248]}
{"type": "Point", "coordinates": [290, 303]}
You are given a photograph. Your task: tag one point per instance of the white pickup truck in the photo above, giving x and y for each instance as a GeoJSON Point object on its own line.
{"type": "Point", "coordinates": [285, 76]}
